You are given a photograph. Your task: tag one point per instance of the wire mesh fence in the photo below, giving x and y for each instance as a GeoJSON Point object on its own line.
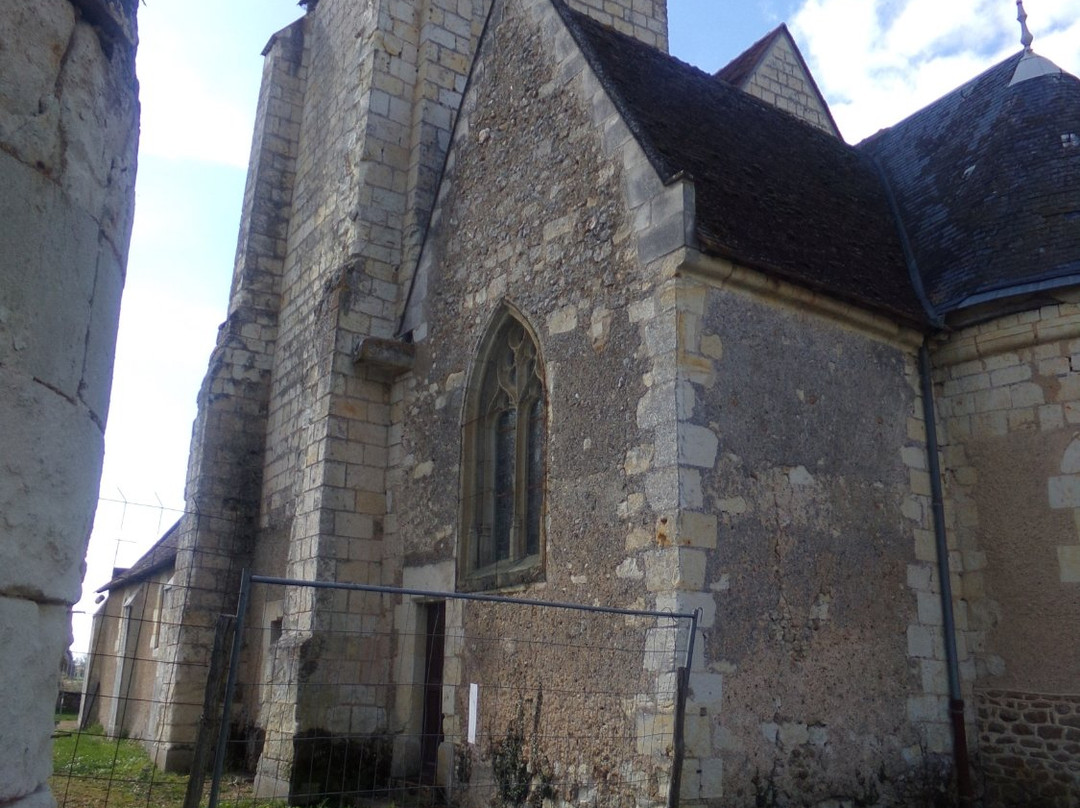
{"type": "Point", "coordinates": [344, 694]}
{"type": "Point", "coordinates": [115, 725]}
{"type": "Point", "coordinates": [387, 693]}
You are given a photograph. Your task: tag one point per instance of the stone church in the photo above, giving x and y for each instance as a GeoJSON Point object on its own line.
{"type": "Point", "coordinates": [524, 306]}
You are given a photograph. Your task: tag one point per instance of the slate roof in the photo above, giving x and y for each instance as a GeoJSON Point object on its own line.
{"type": "Point", "coordinates": [772, 192]}
{"type": "Point", "coordinates": [988, 187]}
{"type": "Point", "coordinates": [160, 556]}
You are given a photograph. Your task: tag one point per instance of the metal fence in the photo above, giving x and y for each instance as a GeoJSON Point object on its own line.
{"type": "Point", "coordinates": [342, 694]}
{"type": "Point", "coordinates": [402, 694]}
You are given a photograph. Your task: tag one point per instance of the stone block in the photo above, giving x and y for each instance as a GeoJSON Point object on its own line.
{"type": "Point", "coordinates": [697, 530]}
{"type": "Point", "coordinates": [690, 492]}
{"type": "Point", "coordinates": [792, 734]}
{"type": "Point", "coordinates": [690, 783]}
{"type": "Point", "coordinates": [662, 489]}
{"type": "Point", "coordinates": [669, 569]}
{"type": "Point", "coordinates": [922, 642]}
{"type": "Point", "coordinates": [48, 490]}
{"type": "Point", "coordinates": [934, 677]}
{"type": "Point", "coordinates": [33, 638]}
{"type": "Point", "coordinates": [929, 609]}
{"type": "Point", "coordinates": [698, 446]}
{"type": "Point", "coordinates": [656, 406]}
{"type": "Point", "coordinates": [687, 602]}
{"type": "Point", "coordinates": [1069, 564]}
{"type": "Point", "coordinates": [662, 238]}
{"type": "Point", "coordinates": [927, 709]}
{"type": "Point", "coordinates": [654, 733]}
{"type": "Point", "coordinates": [638, 459]}
{"type": "Point", "coordinates": [1064, 491]}
{"type": "Point", "coordinates": [48, 291]}
{"type": "Point", "coordinates": [706, 688]}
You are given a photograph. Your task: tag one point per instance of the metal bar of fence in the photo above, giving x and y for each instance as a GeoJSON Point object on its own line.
{"type": "Point", "coordinates": [678, 741]}
{"type": "Point", "coordinates": [425, 593]}
{"type": "Point", "coordinates": [230, 686]}
{"type": "Point", "coordinates": [209, 725]}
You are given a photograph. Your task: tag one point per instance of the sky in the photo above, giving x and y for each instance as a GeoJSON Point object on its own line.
{"type": "Point", "coordinates": [199, 67]}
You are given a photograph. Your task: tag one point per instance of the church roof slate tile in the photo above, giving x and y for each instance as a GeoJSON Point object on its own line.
{"type": "Point", "coordinates": [772, 192]}
{"type": "Point", "coordinates": [987, 190]}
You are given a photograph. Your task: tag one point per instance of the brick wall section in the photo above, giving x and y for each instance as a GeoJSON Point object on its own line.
{"type": "Point", "coordinates": [1009, 402]}
{"type": "Point", "coordinates": [644, 19]}
{"type": "Point", "coordinates": [1029, 748]}
{"type": "Point", "coordinates": [782, 81]}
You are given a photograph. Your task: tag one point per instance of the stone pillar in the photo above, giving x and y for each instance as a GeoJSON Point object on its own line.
{"type": "Point", "coordinates": [224, 483]}
{"type": "Point", "coordinates": [68, 136]}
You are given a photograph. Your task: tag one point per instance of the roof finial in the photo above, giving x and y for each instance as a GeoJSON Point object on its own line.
{"type": "Point", "coordinates": [1025, 35]}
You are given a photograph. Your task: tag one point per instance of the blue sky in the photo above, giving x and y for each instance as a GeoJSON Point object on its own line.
{"type": "Point", "coordinates": [199, 66]}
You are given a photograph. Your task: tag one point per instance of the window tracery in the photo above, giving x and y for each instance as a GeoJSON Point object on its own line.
{"type": "Point", "coordinates": [505, 434]}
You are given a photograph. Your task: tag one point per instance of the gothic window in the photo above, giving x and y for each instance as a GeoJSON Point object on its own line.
{"type": "Point", "coordinates": [505, 434]}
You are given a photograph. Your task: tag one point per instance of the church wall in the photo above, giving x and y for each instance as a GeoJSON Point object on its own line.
{"type": "Point", "coordinates": [68, 136]}
{"type": "Point", "coordinates": [1010, 403]}
{"type": "Point", "coordinates": [803, 460]}
{"type": "Point", "coordinates": [119, 687]}
{"type": "Point", "coordinates": [358, 104]}
{"type": "Point", "coordinates": [543, 190]}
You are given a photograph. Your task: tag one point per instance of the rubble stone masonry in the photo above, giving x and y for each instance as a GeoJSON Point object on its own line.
{"type": "Point", "coordinates": [589, 268]}
{"type": "Point", "coordinates": [1030, 747]}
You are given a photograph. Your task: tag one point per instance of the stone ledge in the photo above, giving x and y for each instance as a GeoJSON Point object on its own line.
{"type": "Point", "coordinates": [390, 355]}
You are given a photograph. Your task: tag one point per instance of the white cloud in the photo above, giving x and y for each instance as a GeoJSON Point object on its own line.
{"type": "Point", "coordinates": [186, 119]}
{"type": "Point", "coordinates": [198, 62]}
{"type": "Point", "coordinates": [878, 62]}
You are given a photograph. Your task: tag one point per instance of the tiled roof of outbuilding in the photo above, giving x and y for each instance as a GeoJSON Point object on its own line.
{"type": "Point", "coordinates": [988, 186]}
{"type": "Point", "coordinates": [162, 554]}
{"type": "Point", "coordinates": [772, 192]}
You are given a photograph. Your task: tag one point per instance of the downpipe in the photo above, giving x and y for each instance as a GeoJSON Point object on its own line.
{"type": "Point", "coordinates": [956, 702]}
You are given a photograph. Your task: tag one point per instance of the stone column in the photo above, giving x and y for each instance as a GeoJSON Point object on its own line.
{"type": "Point", "coordinates": [68, 136]}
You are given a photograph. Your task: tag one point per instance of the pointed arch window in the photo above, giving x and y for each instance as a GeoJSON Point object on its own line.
{"type": "Point", "coordinates": [505, 437]}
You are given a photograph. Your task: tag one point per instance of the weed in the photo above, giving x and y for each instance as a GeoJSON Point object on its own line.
{"type": "Point", "coordinates": [522, 777]}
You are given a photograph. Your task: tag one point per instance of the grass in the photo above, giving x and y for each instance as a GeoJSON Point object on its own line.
{"type": "Point", "coordinates": [92, 771]}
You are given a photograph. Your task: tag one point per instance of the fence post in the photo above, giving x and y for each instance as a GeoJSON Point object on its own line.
{"type": "Point", "coordinates": [678, 742]}
{"type": "Point", "coordinates": [211, 712]}
{"type": "Point", "coordinates": [230, 686]}
{"type": "Point", "coordinates": [678, 745]}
